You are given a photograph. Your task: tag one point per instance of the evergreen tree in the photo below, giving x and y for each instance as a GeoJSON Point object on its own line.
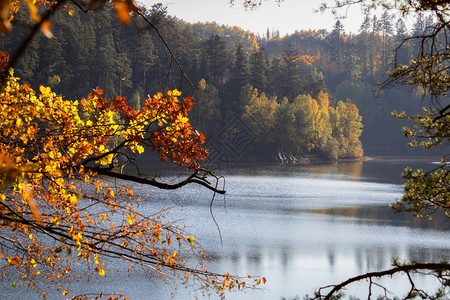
{"type": "Point", "coordinates": [240, 72]}
{"type": "Point", "coordinates": [105, 67]}
{"type": "Point", "coordinates": [419, 26]}
{"type": "Point", "coordinates": [290, 75]}
{"type": "Point", "coordinates": [363, 43]}
{"type": "Point", "coordinates": [216, 60]}
{"type": "Point", "coordinates": [142, 61]}
{"type": "Point", "coordinates": [401, 33]}
{"type": "Point", "coordinates": [259, 66]}
{"type": "Point", "coordinates": [239, 77]}
{"type": "Point", "coordinates": [275, 77]}
{"type": "Point", "coordinates": [206, 113]}
{"type": "Point", "coordinates": [386, 29]}
{"type": "Point", "coordinates": [336, 45]}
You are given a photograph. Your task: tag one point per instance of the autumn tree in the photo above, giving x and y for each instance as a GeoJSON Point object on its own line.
{"type": "Point", "coordinates": [260, 113]}
{"type": "Point", "coordinates": [347, 128]}
{"type": "Point", "coordinates": [314, 127]}
{"type": "Point", "coordinates": [424, 191]}
{"type": "Point", "coordinates": [56, 205]}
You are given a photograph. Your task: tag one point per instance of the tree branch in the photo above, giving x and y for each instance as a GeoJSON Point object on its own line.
{"type": "Point", "coordinates": [403, 268]}
{"type": "Point", "coordinates": [26, 42]}
{"type": "Point", "coordinates": [168, 49]}
{"type": "Point", "coordinates": [193, 178]}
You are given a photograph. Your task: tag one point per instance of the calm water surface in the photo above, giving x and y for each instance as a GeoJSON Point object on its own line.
{"type": "Point", "coordinates": [301, 227]}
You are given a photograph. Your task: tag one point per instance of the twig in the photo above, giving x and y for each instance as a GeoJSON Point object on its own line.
{"type": "Point", "coordinates": [26, 42]}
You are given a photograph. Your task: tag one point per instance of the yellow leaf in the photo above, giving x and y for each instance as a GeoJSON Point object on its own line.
{"type": "Point", "coordinates": [65, 292]}
{"type": "Point", "coordinates": [191, 239]}
{"type": "Point", "coordinates": [33, 11]}
{"type": "Point", "coordinates": [73, 198]}
{"type": "Point", "coordinates": [176, 93]}
{"type": "Point", "coordinates": [101, 272]}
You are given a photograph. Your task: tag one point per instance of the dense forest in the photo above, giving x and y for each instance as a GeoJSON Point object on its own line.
{"type": "Point", "coordinates": [307, 94]}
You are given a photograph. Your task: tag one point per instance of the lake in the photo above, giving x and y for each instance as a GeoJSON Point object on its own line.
{"type": "Point", "coordinates": [300, 226]}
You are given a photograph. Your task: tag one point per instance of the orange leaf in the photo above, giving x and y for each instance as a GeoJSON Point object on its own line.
{"type": "Point", "coordinates": [122, 12]}
{"type": "Point", "coordinates": [5, 26]}
{"type": "Point", "coordinates": [45, 29]}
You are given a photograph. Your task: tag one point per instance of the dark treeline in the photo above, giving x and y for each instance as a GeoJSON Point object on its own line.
{"type": "Point", "coordinates": [302, 94]}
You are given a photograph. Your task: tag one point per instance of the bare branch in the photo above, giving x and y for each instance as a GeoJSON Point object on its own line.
{"type": "Point", "coordinates": [193, 178]}
{"type": "Point", "coordinates": [437, 267]}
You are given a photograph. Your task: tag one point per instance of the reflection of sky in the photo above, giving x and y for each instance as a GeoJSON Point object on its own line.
{"type": "Point", "coordinates": [302, 229]}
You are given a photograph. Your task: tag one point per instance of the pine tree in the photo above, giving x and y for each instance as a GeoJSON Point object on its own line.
{"type": "Point", "coordinates": [386, 29]}
{"type": "Point", "coordinates": [336, 44]}
{"type": "Point", "coordinates": [291, 77]}
{"type": "Point", "coordinates": [259, 66]}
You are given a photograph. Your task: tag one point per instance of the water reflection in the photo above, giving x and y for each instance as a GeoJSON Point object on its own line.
{"type": "Point", "coordinates": [346, 170]}
{"type": "Point", "coordinates": [384, 215]}
{"type": "Point", "coordinates": [301, 227]}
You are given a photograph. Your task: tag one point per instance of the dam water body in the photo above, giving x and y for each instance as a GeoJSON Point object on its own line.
{"type": "Point", "coordinates": [300, 226]}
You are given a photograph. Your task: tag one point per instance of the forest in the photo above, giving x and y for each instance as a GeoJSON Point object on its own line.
{"type": "Point", "coordinates": [85, 92]}
{"type": "Point", "coordinates": [307, 94]}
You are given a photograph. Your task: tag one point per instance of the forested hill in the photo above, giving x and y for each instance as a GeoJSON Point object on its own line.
{"type": "Point", "coordinates": [302, 94]}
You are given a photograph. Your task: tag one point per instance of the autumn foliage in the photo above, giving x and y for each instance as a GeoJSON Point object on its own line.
{"type": "Point", "coordinates": [54, 207]}
{"type": "Point", "coordinates": [58, 206]}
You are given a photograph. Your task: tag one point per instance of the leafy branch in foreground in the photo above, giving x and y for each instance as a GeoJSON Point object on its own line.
{"type": "Point", "coordinates": [55, 208]}
{"type": "Point", "coordinates": [424, 192]}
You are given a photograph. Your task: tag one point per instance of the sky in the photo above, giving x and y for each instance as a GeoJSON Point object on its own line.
{"type": "Point", "coordinates": [287, 17]}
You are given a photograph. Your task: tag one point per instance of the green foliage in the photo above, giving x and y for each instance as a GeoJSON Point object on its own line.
{"type": "Point", "coordinates": [347, 128]}
{"type": "Point", "coordinates": [311, 126]}
{"type": "Point", "coordinates": [426, 192]}
{"type": "Point", "coordinates": [206, 110]}
{"type": "Point", "coordinates": [260, 113]}
{"type": "Point", "coordinates": [132, 62]}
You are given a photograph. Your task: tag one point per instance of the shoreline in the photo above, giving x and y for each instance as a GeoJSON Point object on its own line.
{"type": "Point", "coordinates": [282, 159]}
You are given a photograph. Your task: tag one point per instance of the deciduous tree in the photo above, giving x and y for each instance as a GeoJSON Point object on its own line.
{"type": "Point", "coordinates": [56, 206]}
{"type": "Point", "coordinates": [425, 191]}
